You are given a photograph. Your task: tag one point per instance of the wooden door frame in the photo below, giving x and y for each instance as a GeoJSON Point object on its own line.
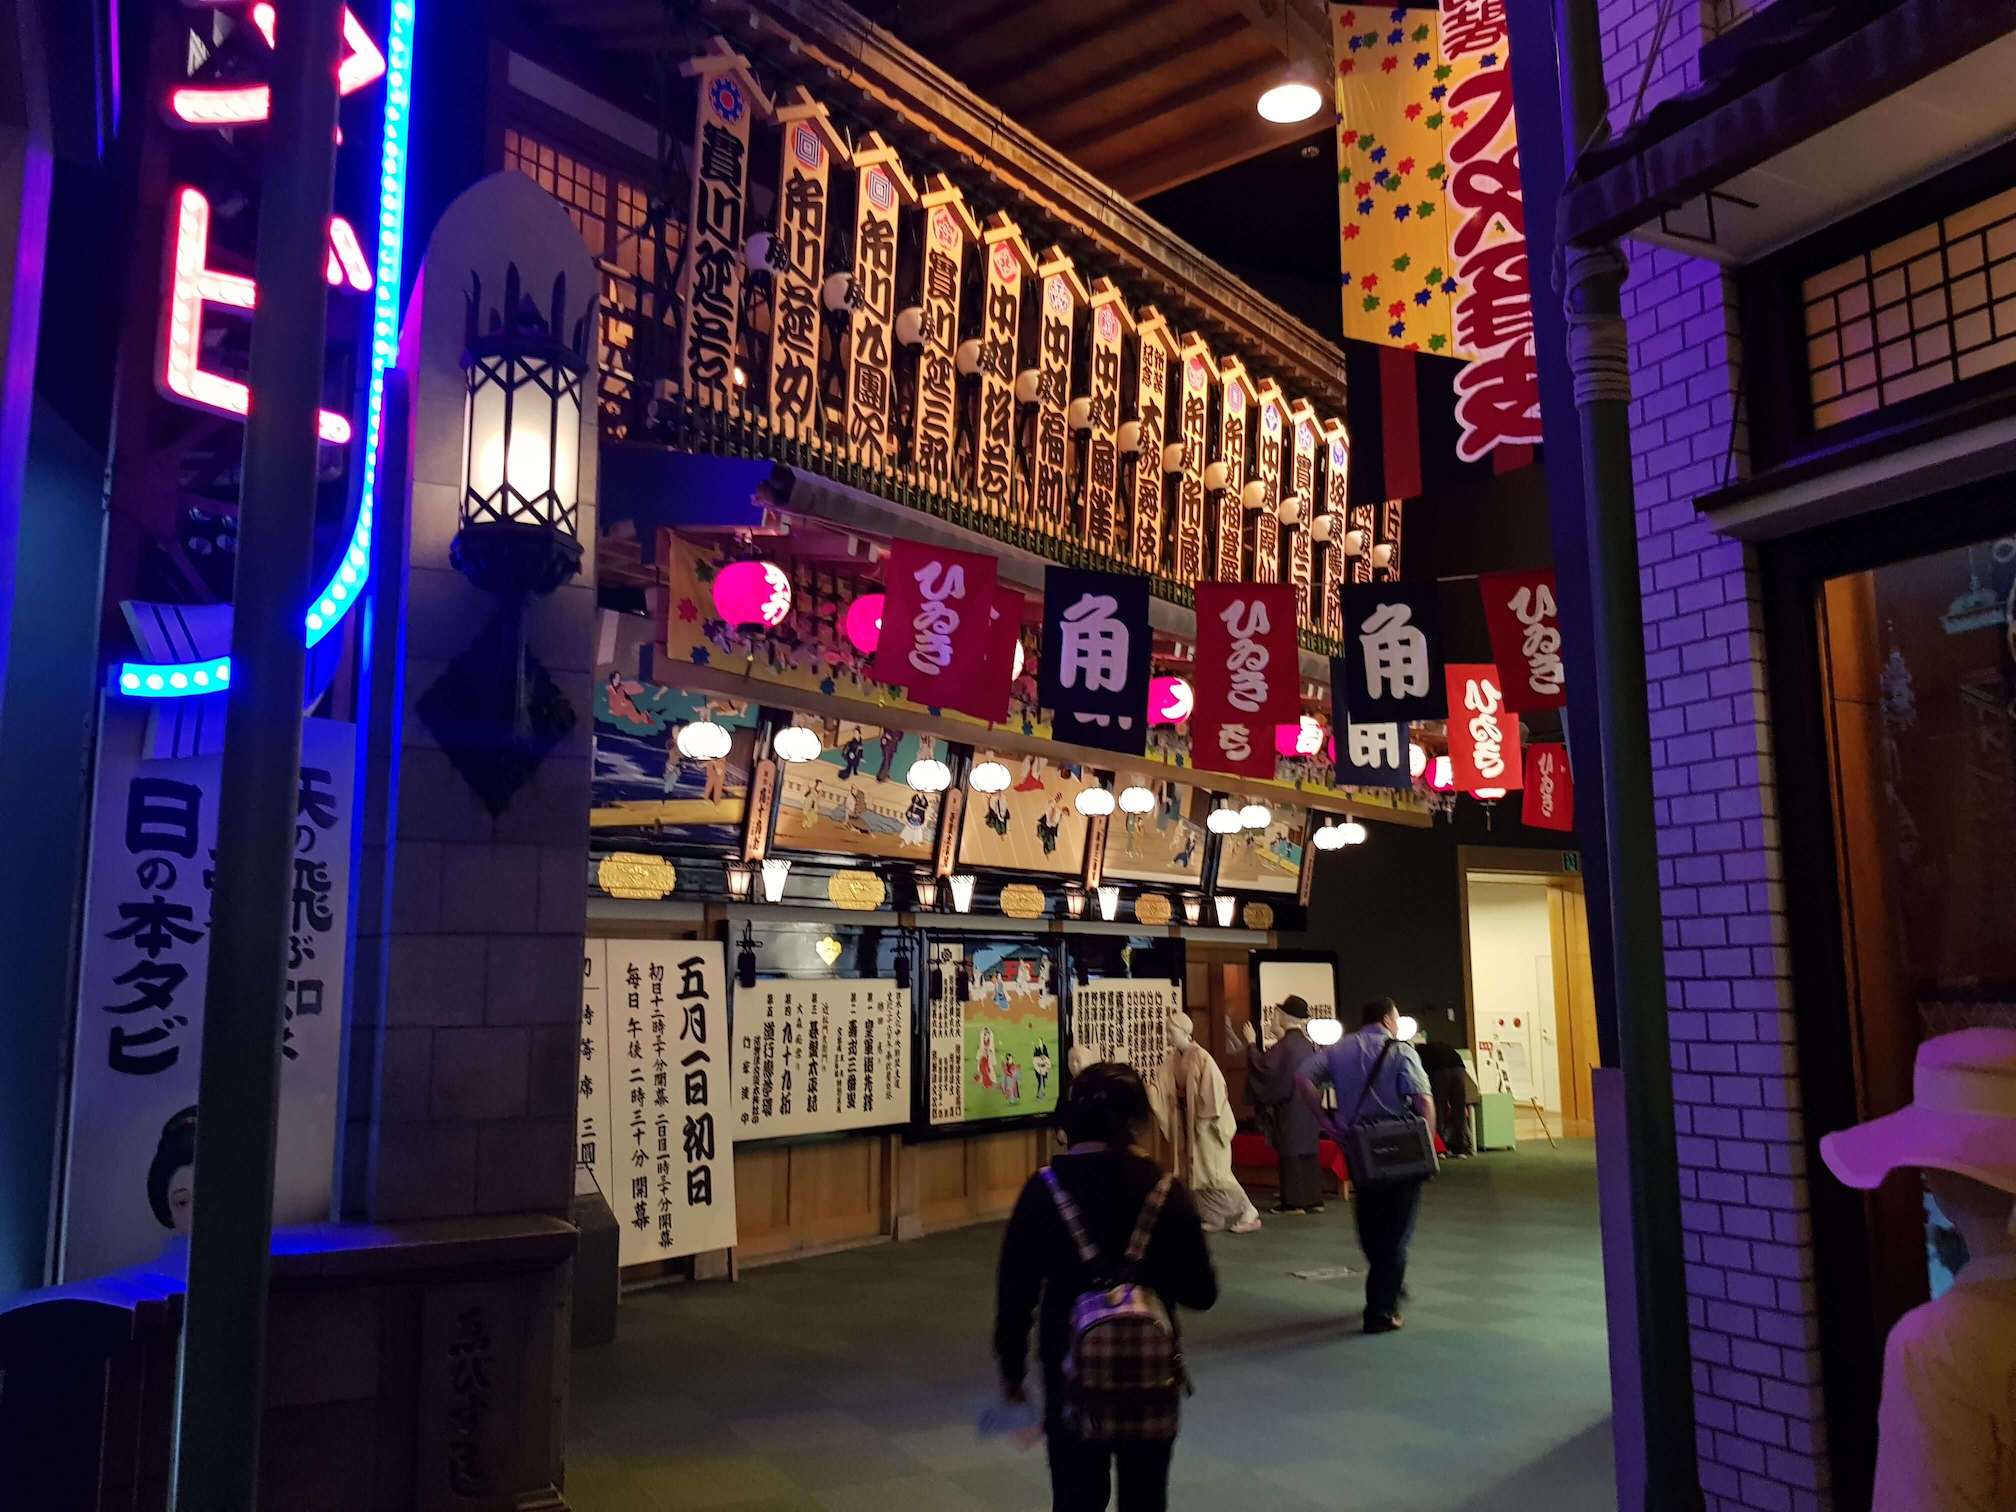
{"type": "Point", "coordinates": [1553, 870]}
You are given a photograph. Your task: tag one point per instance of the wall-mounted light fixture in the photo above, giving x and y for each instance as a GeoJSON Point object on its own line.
{"type": "Point", "coordinates": [962, 891]}
{"type": "Point", "coordinates": [1193, 908]}
{"type": "Point", "coordinates": [1074, 900]}
{"type": "Point", "coordinates": [776, 870]}
{"type": "Point", "coordinates": [926, 885]}
{"type": "Point", "coordinates": [1224, 903]}
{"type": "Point", "coordinates": [1109, 902]}
{"type": "Point", "coordinates": [740, 875]}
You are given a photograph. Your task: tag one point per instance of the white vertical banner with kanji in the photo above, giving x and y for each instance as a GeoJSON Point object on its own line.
{"type": "Point", "coordinates": [143, 968]}
{"type": "Point", "coordinates": [668, 1080]}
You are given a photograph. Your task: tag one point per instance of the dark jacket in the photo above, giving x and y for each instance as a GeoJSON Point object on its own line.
{"type": "Point", "coordinates": [1039, 1259]}
{"type": "Point", "coordinates": [1270, 1083]}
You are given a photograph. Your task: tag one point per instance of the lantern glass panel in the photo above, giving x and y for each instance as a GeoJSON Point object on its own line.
{"type": "Point", "coordinates": [529, 458]}
{"type": "Point", "coordinates": [487, 421]}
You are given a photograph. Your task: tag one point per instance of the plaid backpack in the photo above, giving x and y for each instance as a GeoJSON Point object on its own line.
{"type": "Point", "coordinates": [1123, 1373]}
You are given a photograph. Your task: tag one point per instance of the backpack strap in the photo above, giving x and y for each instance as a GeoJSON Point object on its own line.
{"type": "Point", "coordinates": [1074, 1225]}
{"type": "Point", "coordinates": [1144, 1226]}
{"type": "Point", "coordinates": [1371, 1079]}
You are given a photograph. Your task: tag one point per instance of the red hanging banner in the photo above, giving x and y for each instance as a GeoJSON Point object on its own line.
{"type": "Point", "coordinates": [1525, 625]}
{"type": "Point", "coordinates": [1549, 801]}
{"type": "Point", "coordinates": [1483, 733]}
{"type": "Point", "coordinates": [935, 627]}
{"type": "Point", "coordinates": [989, 699]}
{"type": "Point", "coordinates": [1248, 676]}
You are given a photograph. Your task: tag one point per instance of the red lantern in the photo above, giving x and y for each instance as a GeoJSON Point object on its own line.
{"type": "Point", "coordinates": [1169, 700]}
{"type": "Point", "coordinates": [864, 623]}
{"type": "Point", "coordinates": [753, 593]}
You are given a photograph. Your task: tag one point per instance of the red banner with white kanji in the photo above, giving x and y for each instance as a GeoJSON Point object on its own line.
{"type": "Point", "coordinates": [1248, 676]}
{"type": "Point", "coordinates": [1549, 799]}
{"type": "Point", "coordinates": [1525, 625]}
{"type": "Point", "coordinates": [1483, 733]}
{"type": "Point", "coordinates": [937, 631]}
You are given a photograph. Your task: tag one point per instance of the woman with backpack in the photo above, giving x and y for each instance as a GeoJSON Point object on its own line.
{"type": "Point", "coordinates": [1112, 1246]}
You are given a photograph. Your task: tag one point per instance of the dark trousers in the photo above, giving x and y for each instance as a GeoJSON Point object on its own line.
{"type": "Point", "coordinates": [1385, 1217]}
{"type": "Point", "coordinates": [1301, 1181]}
{"type": "Point", "coordinates": [1081, 1474]}
{"type": "Point", "coordinates": [1452, 1108]}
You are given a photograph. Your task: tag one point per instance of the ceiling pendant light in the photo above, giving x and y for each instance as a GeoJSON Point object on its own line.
{"type": "Point", "coordinates": [989, 776]}
{"type": "Point", "coordinates": [796, 743]}
{"type": "Point", "coordinates": [703, 740]}
{"type": "Point", "coordinates": [1297, 94]}
{"type": "Point", "coordinates": [1095, 802]}
{"type": "Point", "coordinates": [929, 775]}
{"type": "Point", "coordinates": [1137, 799]}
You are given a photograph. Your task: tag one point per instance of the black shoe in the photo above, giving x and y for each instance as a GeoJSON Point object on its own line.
{"type": "Point", "coordinates": [1282, 1209]}
{"type": "Point", "coordinates": [1390, 1323]}
{"type": "Point", "coordinates": [1314, 1207]}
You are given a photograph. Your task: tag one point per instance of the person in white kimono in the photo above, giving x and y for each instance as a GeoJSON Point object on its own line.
{"type": "Point", "coordinates": [1197, 1120]}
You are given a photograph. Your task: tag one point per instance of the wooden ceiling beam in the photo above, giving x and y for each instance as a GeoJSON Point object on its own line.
{"type": "Point", "coordinates": [1233, 138]}
{"type": "Point", "coordinates": [1055, 50]}
{"type": "Point", "coordinates": [967, 25]}
{"type": "Point", "coordinates": [1133, 69]}
{"type": "Point", "coordinates": [1236, 77]}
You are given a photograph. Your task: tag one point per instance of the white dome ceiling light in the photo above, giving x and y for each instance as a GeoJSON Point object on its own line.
{"type": "Point", "coordinates": [1095, 802]}
{"type": "Point", "coordinates": [796, 743]}
{"type": "Point", "coordinates": [703, 740]}
{"type": "Point", "coordinates": [989, 777]}
{"type": "Point", "coordinates": [930, 775]}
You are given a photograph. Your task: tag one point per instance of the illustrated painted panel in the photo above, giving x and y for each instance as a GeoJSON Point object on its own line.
{"type": "Point", "coordinates": [1031, 825]}
{"type": "Point", "coordinates": [1164, 845]}
{"type": "Point", "coordinates": [644, 786]}
{"type": "Point", "coordinates": [855, 798]}
{"type": "Point", "coordinates": [1264, 860]}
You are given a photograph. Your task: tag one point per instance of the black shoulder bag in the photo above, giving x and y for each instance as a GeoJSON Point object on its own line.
{"type": "Point", "coordinates": [1384, 1151]}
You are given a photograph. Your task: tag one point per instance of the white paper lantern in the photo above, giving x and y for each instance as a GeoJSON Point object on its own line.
{"type": "Point", "coordinates": [1354, 832]}
{"type": "Point", "coordinates": [1382, 555]}
{"type": "Point", "coordinates": [1109, 902]}
{"type": "Point", "coordinates": [989, 777]}
{"type": "Point", "coordinates": [775, 872]}
{"type": "Point", "coordinates": [967, 357]}
{"type": "Point", "coordinates": [1078, 414]}
{"type": "Point", "coordinates": [1028, 383]}
{"type": "Point", "coordinates": [1172, 457]}
{"type": "Point", "coordinates": [796, 743]}
{"type": "Point", "coordinates": [1224, 821]}
{"type": "Point", "coordinates": [1129, 438]}
{"type": "Point", "coordinates": [1224, 903]}
{"type": "Point", "coordinates": [1215, 474]}
{"type": "Point", "coordinates": [1417, 760]}
{"type": "Point", "coordinates": [1321, 527]}
{"type": "Point", "coordinates": [1324, 1032]}
{"type": "Point", "coordinates": [1254, 495]}
{"type": "Point", "coordinates": [1330, 837]}
{"type": "Point", "coordinates": [1094, 802]}
{"type": "Point", "coordinates": [703, 740]}
{"type": "Point", "coordinates": [1354, 542]}
{"type": "Point", "coordinates": [929, 775]}
{"type": "Point", "coordinates": [1256, 816]}
{"type": "Point", "coordinates": [1290, 512]}
{"type": "Point", "coordinates": [835, 291]}
{"type": "Point", "coordinates": [1137, 800]}
{"type": "Point", "coordinates": [910, 325]}
{"type": "Point", "coordinates": [962, 891]}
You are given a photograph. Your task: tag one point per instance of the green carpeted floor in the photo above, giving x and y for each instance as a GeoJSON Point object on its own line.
{"type": "Point", "coordinates": [850, 1383]}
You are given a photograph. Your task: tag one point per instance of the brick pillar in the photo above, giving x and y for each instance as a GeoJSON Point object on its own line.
{"type": "Point", "coordinates": [1760, 1419]}
{"type": "Point", "coordinates": [470, 938]}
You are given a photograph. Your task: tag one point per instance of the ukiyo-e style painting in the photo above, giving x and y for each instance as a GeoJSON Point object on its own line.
{"type": "Point", "coordinates": [1164, 845]}
{"type": "Point", "coordinates": [1031, 825]}
{"type": "Point", "coordinates": [644, 787]}
{"type": "Point", "coordinates": [855, 799]}
{"type": "Point", "coordinates": [1013, 1054]}
{"type": "Point", "coordinates": [1264, 860]}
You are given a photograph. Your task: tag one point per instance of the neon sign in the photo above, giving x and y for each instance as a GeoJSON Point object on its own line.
{"type": "Point", "coordinates": [346, 583]}
{"type": "Point", "coordinates": [211, 105]}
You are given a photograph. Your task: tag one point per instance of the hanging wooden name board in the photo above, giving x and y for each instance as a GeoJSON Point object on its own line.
{"type": "Point", "coordinates": [1151, 412]}
{"type": "Point", "coordinates": [1110, 323]}
{"type": "Point", "coordinates": [1063, 291]}
{"type": "Point", "coordinates": [1336, 503]}
{"type": "Point", "coordinates": [710, 281]}
{"type": "Point", "coordinates": [881, 189]}
{"type": "Point", "coordinates": [1389, 535]}
{"type": "Point", "coordinates": [1364, 525]}
{"type": "Point", "coordinates": [1007, 262]}
{"type": "Point", "coordinates": [948, 226]}
{"type": "Point", "coordinates": [1264, 560]}
{"type": "Point", "coordinates": [1228, 552]}
{"type": "Point", "coordinates": [809, 148]}
{"type": "Point", "coordinates": [1300, 489]}
{"type": "Point", "coordinates": [1194, 549]}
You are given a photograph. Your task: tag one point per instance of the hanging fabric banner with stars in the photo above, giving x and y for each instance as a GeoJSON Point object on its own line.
{"type": "Point", "coordinates": [1095, 666]}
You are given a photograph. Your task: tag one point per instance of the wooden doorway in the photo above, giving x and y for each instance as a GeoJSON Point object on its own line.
{"type": "Point", "coordinates": [1561, 1047]}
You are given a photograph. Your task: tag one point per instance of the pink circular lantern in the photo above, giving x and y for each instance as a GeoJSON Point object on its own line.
{"type": "Point", "coordinates": [1169, 700]}
{"type": "Point", "coordinates": [753, 593]}
{"type": "Point", "coordinates": [1303, 738]}
{"type": "Point", "coordinates": [864, 623]}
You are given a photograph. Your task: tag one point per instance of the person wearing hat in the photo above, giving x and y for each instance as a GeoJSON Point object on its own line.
{"type": "Point", "coordinates": [1290, 1124]}
{"type": "Point", "coordinates": [1946, 1429]}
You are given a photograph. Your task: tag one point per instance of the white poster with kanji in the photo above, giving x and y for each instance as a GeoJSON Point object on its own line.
{"type": "Point", "coordinates": [144, 965]}
{"type": "Point", "coordinates": [673, 1157]}
{"type": "Point", "coordinates": [814, 1057]}
{"type": "Point", "coordinates": [1125, 1019]}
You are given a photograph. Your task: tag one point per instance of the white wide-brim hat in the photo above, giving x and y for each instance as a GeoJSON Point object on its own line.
{"type": "Point", "coordinates": [1961, 1117]}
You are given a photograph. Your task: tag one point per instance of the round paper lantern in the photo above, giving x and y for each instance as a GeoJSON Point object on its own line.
{"type": "Point", "coordinates": [796, 743]}
{"type": "Point", "coordinates": [703, 740]}
{"type": "Point", "coordinates": [1137, 800]}
{"type": "Point", "coordinates": [1329, 837]}
{"type": "Point", "coordinates": [930, 775]}
{"type": "Point", "coordinates": [1324, 1032]}
{"type": "Point", "coordinates": [1223, 821]}
{"type": "Point", "coordinates": [1444, 777]}
{"type": "Point", "coordinates": [1169, 700]}
{"type": "Point", "coordinates": [989, 777]}
{"type": "Point", "coordinates": [1354, 832]}
{"type": "Point", "coordinates": [863, 623]}
{"type": "Point", "coordinates": [1304, 738]}
{"type": "Point", "coordinates": [753, 593]}
{"type": "Point", "coordinates": [1256, 816]}
{"type": "Point", "coordinates": [1094, 802]}
{"type": "Point", "coordinates": [1417, 760]}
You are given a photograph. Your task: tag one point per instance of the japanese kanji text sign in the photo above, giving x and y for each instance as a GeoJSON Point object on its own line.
{"type": "Point", "coordinates": [1057, 310]}
{"type": "Point", "coordinates": [668, 1069]}
{"type": "Point", "coordinates": [1392, 635]}
{"type": "Point", "coordinates": [1153, 362]}
{"type": "Point", "coordinates": [1247, 676]}
{"type": "Point", "coordinates": [947, 226]}
{"type": "Point", "coordinates": [816, 1057]}
{"type": "Point", "coordinates": [1483, 733]}
{"type": "Point", "coordinates": [1525, 626]}
{"type": "Point", "coordinates": [710, 280]}
{"type": "Point", "coordinates": [881, 188]}
{"type": "Point", "coordinates": [1095, 665]}
{"type": "Point", "coordinates": [1228, 537]}
{"type": "Point", "coordinates": [1549, 799]}
{"type": "Point", "coordinates": [798, 261]}
{"type": "Point", "coordinates": [1300, 486]}
{"type": "Point", "coordinates": [1336, 502]}
{"type": "Point", "coordinates": [142, 977]}
{"type": "Point", "coordinates": [1007, 261]}
{"type": "Point", "coordinates": [1109, 323]}
{"type": "Point", "coordinates": [1264, 540]}
{"type": "Point", "coordinates": [1368, 755]}
{"type": "Point", "coordinates": [1194, 548]}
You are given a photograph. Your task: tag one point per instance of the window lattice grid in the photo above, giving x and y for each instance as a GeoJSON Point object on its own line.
{"type": "Point", "coordinates": [1929, 309]}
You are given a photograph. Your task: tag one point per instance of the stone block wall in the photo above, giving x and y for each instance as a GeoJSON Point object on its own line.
{"type": "Point", "coordinates": [1760, 1419]}
{"type": "Point", "coordinates": [469, 951]}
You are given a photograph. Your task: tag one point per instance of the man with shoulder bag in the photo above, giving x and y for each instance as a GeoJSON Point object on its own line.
{"type": "Point", "coordinates": [1385, 1127]}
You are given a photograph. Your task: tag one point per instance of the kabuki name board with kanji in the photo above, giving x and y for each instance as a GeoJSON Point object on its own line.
{"type": "Point", "coordinates": [1125, 1019]}
{"type": "Point", "coordinates": [144, 968]}
{"type": "Point", "coordinates": [818, 1057]}
{"type": "Point", "coordinates": [653, 1135]}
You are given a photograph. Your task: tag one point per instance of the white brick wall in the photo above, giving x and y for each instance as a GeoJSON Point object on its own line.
{"type": "Point", "coordinates": [1760, 1422]}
